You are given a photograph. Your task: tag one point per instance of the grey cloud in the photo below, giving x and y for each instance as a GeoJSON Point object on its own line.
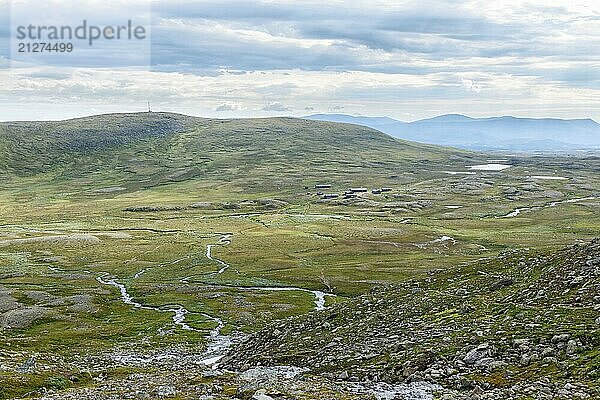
{"type": "Point", "coordinates": [50, 74]}
{"type": "Point", "coordinates": [354, 22]}
{"type": "Point", "coordinates": [391, 32]}
{"type": "Point", "coordinates": [246, 10]}
{"type": "Point", "coordinates": [240, 53]}
{"type": "Point", "coordinates": [360, 37]}
{"type": "Point", "coordinates": [4, 29]}
{"type": "Point", "coordinates": [429, 36]}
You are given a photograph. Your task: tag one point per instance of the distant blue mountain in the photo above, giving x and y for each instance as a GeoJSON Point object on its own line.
{"type": "Point", "coordinates": [496, 133]}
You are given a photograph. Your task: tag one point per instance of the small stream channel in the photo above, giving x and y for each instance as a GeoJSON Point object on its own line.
{"type": "Point", "coordinates": [218, 344]}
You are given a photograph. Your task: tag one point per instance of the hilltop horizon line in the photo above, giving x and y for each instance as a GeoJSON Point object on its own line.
{"type": "Point", "coordinates": [384, 117]}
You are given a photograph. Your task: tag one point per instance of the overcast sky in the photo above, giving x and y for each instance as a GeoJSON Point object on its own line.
{"type": "Point", "coordinates": [404, 59]}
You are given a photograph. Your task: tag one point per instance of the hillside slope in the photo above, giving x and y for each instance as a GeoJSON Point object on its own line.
{"type": "Point", "coordinates": [149, 149]}
{"type": "Point", "coordinates": [500, 326]}
{"type": "Point", "coordinates": [36, 146]}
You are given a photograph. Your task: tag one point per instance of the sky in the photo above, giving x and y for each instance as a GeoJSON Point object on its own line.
{"type": "Point", "coordinates": [404, 59]}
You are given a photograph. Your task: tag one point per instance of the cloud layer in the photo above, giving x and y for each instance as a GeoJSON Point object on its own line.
{"type": "Point", "coordinates": [406, 59]}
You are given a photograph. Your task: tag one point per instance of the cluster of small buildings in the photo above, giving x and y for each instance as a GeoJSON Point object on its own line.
{"type": "Point", "coordinates": [348, 194]}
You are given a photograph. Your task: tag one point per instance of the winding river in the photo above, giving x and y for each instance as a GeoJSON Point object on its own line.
{"type": "Point", "coordinates": [223, 241]}
{"type": "Point", "coordinates": [319, 296]}
{"type": "Point", "coordinates": [519, 211]}
{"type": "Point", "coordinates": [218, 344]}
{"type": "Point", "coordinates": [226, 240]}
{"type": "Point", "coordinates": [179, 312]}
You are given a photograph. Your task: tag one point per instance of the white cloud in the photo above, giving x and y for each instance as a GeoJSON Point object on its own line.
{"type": "Point", "coordinates": [38, 93]}
{"type": "Point", "coordinates": [276, 106]}
{"type": "Point", "coordinates": [392, 57]}
{"type": "Point", "coordinates": [229, 107]}
{"type": "Point", "coordinates": [470, 85]}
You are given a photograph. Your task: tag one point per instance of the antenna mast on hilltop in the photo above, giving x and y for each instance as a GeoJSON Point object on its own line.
{"type": "Point", "coordinates": [149, 109]}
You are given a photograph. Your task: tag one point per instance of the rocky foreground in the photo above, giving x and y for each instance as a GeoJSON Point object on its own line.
{"type": "Point", "coordinates": [519, 326]}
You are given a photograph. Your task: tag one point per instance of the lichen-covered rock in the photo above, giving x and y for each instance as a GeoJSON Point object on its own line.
{"type": "Point", "coordinates": [477, 326]}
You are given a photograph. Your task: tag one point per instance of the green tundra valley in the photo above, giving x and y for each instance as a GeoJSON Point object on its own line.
{"type": "Point", "coordinates": [157, 255]}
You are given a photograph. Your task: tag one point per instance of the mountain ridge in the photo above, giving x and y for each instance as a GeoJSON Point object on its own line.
{"type": "Point", "coordinates": [489, 133]}
{"type": "Point", "coordinates": [147, 149]}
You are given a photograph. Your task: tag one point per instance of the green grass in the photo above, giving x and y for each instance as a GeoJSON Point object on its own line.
{"type": "Point", "coordinates": [55, 177]}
